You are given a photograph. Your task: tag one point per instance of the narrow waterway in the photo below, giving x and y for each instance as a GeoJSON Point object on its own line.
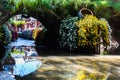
{"type": "Point", "coordinates": [23, 42]}
{"type": "Point", "coordinates": [66, 68]}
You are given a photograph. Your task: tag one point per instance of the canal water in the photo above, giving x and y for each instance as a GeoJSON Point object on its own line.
{"type": "Point", "coordinates": [23, 47]}
{"type": "Point", "coordinates": [23, 42]}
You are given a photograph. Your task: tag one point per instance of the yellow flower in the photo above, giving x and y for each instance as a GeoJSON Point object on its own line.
{"type": "Point", "coordinates": [92, 77]}
{"type": "Point", "coordinates": [91, 29]}
{"type": "Point", "coordinates": [81, 75]}
{"type": "Point", "coordinates": [36, 31]}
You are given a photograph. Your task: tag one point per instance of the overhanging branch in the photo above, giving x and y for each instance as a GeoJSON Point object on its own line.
{"type": "Point", "coordinates": [8, 15]}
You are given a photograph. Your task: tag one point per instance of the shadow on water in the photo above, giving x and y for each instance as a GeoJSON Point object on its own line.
{"type": "Point", "coordinates": [56, 51]}
{"type": "Point", "coordinates": [55, 68]}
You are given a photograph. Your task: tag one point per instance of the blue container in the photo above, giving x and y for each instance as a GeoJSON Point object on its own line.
{"type": "Point", "coordinates": [83, 12]}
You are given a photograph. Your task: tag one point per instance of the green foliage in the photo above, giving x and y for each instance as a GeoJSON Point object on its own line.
{"type": "Point", "coordinates": [62, 8]}
{"type": "Point", "coordinates": [11, 21]}
{"type": "Point", "coordinates": [91, 29]}
{"type": "Point", "coordinates": [58, 8]}
{"type": "Point", "coordinates": [116, 6]}
{"type": "Point", "coordinates": [103, 9]}
{"type": "Point", "coordinates": [2, 36]}
{"type": "Point", "coordinates": [68, 33]}
{"type": "Point", "coordinates": [5, 35]}
{"type": "Point", "coordinates": [8, 35]}
{"type": "Point", "coordinates": [20, 22]}
{"type": "Point", "coordinates": [104, 53]}
{"type": "Point", "coordinates": [14, 22]}
{"type": "Point", "coordinates": [6, 5]}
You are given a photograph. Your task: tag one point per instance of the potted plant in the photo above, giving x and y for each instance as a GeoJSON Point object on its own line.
{"type": "Point", "coordinates": [92, 31]}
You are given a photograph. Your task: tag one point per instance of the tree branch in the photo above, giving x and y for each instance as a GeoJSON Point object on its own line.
{"type": "Point", "coordinates": [8, 15]}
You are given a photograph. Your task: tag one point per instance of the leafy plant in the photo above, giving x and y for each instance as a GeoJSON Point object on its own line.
{"type": "Point", "coordinates": [8, 34]}
{"type": "Point", "coordinates": [91, 30]}
{"type": "Point", "coordinates": [18, 22]}
{"type": "Point", "coordinates": [58, 8]}
{"type": "Point", "coordinates": [5, 35]}
{"type": "Point", "coordinates": [116, 6]}
{"type": "Point", "coordinates": [103, 9]}
{"type": "Point", "coordinates": [2, 36]}
{"type": "Point", "coordinates": [68, 33]}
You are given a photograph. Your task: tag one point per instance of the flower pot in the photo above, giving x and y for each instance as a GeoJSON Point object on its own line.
{"type": "Point", "coordinates": [83, 12]}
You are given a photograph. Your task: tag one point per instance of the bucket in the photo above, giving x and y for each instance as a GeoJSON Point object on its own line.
{"type": "Point", "coordinates": [83, 12]}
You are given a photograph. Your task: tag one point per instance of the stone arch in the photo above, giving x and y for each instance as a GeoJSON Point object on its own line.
{"type": "Point", "coordinates": [52, 24]}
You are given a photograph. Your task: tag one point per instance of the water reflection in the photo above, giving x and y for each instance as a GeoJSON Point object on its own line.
{"type": "Point", "coordinates": [19, 48]}
{"type": "Point", "coordinates": [21, 51]}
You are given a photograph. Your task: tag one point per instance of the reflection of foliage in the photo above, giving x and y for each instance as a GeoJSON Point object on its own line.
{"type": "Point", "coordinates": [68, 33]}
{"type": "Point", "coordinates": [90, 31]}
{"type": "Point", "coordinates": [99, 71]}
{"type": "Point", "coordinates": [9, 60]}
{"type": "Point", "coordinates": [18, 52]}
{"type": "Point", "coordinates": [84, 75]}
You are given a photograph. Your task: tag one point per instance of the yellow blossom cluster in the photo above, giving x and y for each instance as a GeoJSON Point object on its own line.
{"type": "Point", "coordinates": [99, 71]}
{"type": "Point", "coordinates": [91, 29]}
{"type": "Point", "coordinates": [83, 75]}
{"type": "Point", "coordinates": [19, 22]}
{"type": "Point", "coordinates": [36, 31]}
